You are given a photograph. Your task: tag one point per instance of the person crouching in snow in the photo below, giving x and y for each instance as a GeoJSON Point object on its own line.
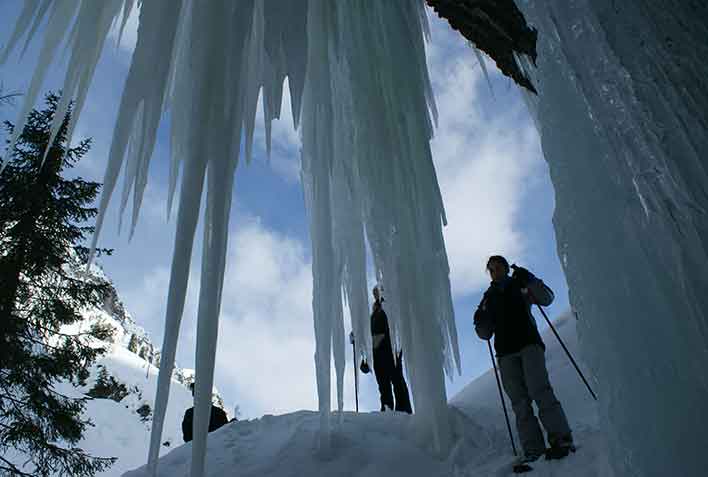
{"type": "Point", "coordinates": [216, 419]}
{"type": "Point", "coordinates": [387, 370]}
{"type": "Point", "coordinates": [505, 312]}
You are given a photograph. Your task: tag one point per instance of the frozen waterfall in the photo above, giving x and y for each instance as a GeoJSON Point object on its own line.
{"type": "Point", "coordinates": [362, 100]}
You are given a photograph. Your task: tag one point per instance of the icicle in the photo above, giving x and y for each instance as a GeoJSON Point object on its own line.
{"type": "Point", "coordinates": [370, 172]}
{"type": "Point", "coordinates": [143, 100]}
{"type": "Point", "coordinates": [29, 11]}
{"type": "Point", "coordinates": [391, 110]}
{"type": "Point", "coordinates": [35, 24]}
{"type": "Point", "coordinates": [180, 125]}
{"type": "Point", "coordinates": [127, 10]}
{"type": "Point", "coordinates": [187, 216]}
{"type": "Point", "coordinates": [480, 59]}
{"type": "Point", "coordinates": [317, 152]}
{"type": "Point", "coordinates": [216, 142]}
{"type": "Point", "coordinates": [59, 20]}
{"type": "Point", "coordinates": [367, 169]}
{"type": "Point", "coordinates": [220, 178]}
{"type": "Point", "coordinates": [91, 29]}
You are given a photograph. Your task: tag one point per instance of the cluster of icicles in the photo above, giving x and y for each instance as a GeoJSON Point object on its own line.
{"type": "Point", "coordinates": [362, 102]}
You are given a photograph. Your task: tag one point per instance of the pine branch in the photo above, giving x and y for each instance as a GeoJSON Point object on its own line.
{"type": "Point", "coordinates": [11, 470]}
{"type": "Point", "coordinates": [9, 98]}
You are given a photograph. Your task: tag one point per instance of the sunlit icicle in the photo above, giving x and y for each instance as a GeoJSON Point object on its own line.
{"type": "Point", "coordinates": [89, 33]}
{"type": "Point", "coordinates": [145, 87]}
{"type": "Point", "coordinates": [365, 128]}
{"type": "Point", "coordinates": [60, 18]}
{"type": "Point", "coordinates": [29, 11]}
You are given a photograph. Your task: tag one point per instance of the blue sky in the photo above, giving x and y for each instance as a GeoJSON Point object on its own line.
{"type": "Point", "coordinates": [495, 185]}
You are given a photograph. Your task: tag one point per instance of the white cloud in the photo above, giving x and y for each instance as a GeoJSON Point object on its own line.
{"type": "Point", "coordinates": [482, 160]}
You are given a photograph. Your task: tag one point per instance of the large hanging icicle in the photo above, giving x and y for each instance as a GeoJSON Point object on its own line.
{"type": "Point", "coordinates": [381, 180]}
{"type": "Point", "coordinates": [317, 155]}
{"type": "Point", "coordinates": [362, 101]}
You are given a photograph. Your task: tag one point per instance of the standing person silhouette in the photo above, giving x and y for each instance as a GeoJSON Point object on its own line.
{"type": "Point", "coordinates": [505, 313]}
{"type": "Point", "coordinates": [389, 372]}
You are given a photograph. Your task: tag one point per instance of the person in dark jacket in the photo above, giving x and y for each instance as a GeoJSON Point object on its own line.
{"type": "Point", "coordinates": [216, 420]}
{"type": "Point", "coordinates": [388, 371]}
{"type": "Point", "coordinates": [505, 313]}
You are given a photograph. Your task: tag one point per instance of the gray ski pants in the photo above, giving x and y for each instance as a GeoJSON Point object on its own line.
{"type": "Point", "coordinates": [525, 379]}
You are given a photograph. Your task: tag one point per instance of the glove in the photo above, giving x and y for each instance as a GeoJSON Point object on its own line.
{"type": "Point", "coordinates": [522, 275]}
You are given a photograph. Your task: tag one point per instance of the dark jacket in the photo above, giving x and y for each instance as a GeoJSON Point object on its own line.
{"type": "Point", "coordinates": [505, 312]}
{"type": "Point", "coordinates": [217, 419]}
{"type": "Point", "coordinates": [379, 326]}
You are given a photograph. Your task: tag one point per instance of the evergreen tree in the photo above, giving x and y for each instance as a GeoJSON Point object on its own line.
{"type": "Point", "coordinates": [133, 344]}
{"type": "Point", "coordinates": [42, 224]}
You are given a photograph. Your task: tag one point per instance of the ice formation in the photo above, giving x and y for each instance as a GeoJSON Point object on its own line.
{"type": "Point", "coordinates": [623, 116]}
{"type": "Point", "coordinates": [362, 100]}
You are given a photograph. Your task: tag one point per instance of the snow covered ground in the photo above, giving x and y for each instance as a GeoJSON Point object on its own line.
{"type": "Point", "coordinates": [372, 444]}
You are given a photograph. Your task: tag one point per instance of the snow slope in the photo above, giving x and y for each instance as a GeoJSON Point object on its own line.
{"type": "Point", "coordinates": [119, 429]}
{"type": "Point", "coordinates": [372, 444]}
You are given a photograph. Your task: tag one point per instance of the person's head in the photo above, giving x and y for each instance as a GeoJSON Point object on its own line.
{"type": "Point", "coordinates": [378, 291]}
{"type": "Point", "coordinates": [498, 267]}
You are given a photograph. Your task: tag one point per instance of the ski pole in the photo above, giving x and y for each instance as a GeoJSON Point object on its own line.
{"type": "Point", "coordinates": [501, 396]}
{"type": "Point", "coordinates": [562, 344]}
{"type": "Point", "coordinates": [356, 376]}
